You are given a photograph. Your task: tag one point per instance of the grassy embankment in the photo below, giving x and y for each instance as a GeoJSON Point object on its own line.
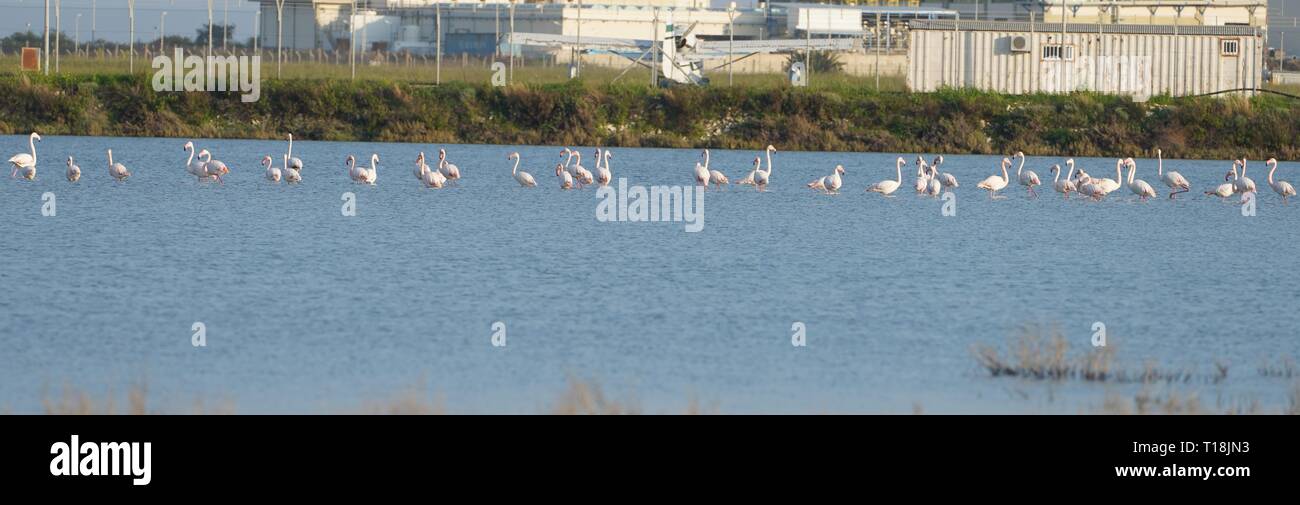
{"type": "Point", "coordinates": [843, 115]}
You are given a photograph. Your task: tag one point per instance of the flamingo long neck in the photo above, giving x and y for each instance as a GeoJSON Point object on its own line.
{"type": "Point", "coordinates": [898, 169]}
{"type": "Point", "coordinates": [1160, 164]}
{"type": "Point", "coordinates": [1071, 174]}
{"type": "Point", "coordinates": [515, 170]}
{"type": "Point", "coordinates": [769, 163]}
{"type": "Point", "coordinates": [1243, 164]}
{"type": "Point", "coordinates": [373, 159]}
{"type": "Point", "coordinates": [1118, 176]}
{"type": "Point", "coordinates": [290, 153]}
{"type": "Point", "coordinates": [1132, 167]}
{"type": "Point", "coordinates": [1272, 164]}
{"type": "Point", "coordinates": [191, 160]}
{"type": "Point", "coordinates": [577, 162]}
{"type": "Point", "coordinates": [706, 159]}
{"type": "Point", "coordinates": [1005, 177]}
{"type": "Point", "coordinates": [31, 141]}
{"type": "Point", "coordinates": [352, 163]}
{"type": "Point", "coordinates": [607, 157]}
{"type": "Point", "coordinates": [1021, 165]}
{"type": "Point", "coordinates": [110, 157]}
{"type": "Point", "coordinates": [1056, 179]}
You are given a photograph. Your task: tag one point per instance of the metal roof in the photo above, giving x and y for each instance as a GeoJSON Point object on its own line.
{"type": "Point", "coordinates": [1019, 26]}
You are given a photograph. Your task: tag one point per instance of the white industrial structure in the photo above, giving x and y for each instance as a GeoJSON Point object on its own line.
{"type": "Point", "coordinates": [1138, 60]}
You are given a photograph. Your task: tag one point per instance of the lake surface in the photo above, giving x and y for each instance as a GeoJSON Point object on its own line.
{"type": "Point", "coordinates": [308, 310]}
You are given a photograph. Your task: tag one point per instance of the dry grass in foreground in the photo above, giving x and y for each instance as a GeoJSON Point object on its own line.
{"type": "Point", "coordinates": [1031, 355]}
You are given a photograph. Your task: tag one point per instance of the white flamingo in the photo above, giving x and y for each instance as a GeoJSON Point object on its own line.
{"type": "Point", "coordinates": [922, 176]}
{"type": "Point", "coordinates": [716, 178]}
{"type": "Point", "coordinates": [749, 179]}
{"type": "Point", "coordinates": [74, 171]}
{"type": "Point", "coordinates": [1107, 185]}
{"type": "Point", "coordinates": [25, 161]}
{"type": "Point", "coordinates": [1244, 184]}
{"type": "Point", "coordinates": [603, 174]}
{"type": "Point", "coordinates": [763, 177]}
{"type": "Point", "coordinates": [434, 179]}
{"type": "Point", "coordinates": [1226, 189]}
{"type": "Point", "coordinates": [291, 175]}
{"type": "Point", "coordinates": [577, 172]}
{"type": "Point", "coordinates": [198, 169]}
{"type": "Point", "coordinates": [451, 172]}
{"type": "Point", "coordinates": [994, 183]}
{"type": "Point", "coordinates": [1027, 178]}
{"type": "Point", "coordinates": [933, 187]}
{"type": "Point", "coordinates": [945, 178]}
{"type": "Point", "coordinates": [420, 167]}
{"type": "Point", "coordinates": [1281, 187]}
{"type": "Point", "coordinates": [1176, 182]}
{"type": "Point", "coordinates": [833, 181]}
{"type": "Point", "coordinates": [273, 173]}
{"type": "Point", "coordinates": [702, 173]}
{"type": "Point", "coordinates": [291, 162]}
{"type": "Point", "coordinates": [566, 180]}
{"type": "Point", "coordinates": [213, 168]}
{"type": "Point", "coordinates": [1139, 187]}
{"type": "Point", "coordinates": [1066, 186]}
{"type": "Point", "coordinates": [818, 185]}
{"type": "Point", "coordinates": [887, 187]}
{"type": "Point", "coordinates": [357, 174]}
{"type": "Point", "coordinates": [371, 175]}
{"type": "Point", "coordinates": [525, 179]}
{"type": "Point", "coordinates": [117, 170]}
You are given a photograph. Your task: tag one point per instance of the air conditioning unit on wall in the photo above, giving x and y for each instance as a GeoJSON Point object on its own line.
{"type": "Point", "coordinates": [1019, 44]}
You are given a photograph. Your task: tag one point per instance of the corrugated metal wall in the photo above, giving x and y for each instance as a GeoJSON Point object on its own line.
{"type": "Point", "coordinates": [1109, 60]}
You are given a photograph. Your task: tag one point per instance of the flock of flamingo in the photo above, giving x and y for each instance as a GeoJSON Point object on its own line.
{"type": "Point", "coordinates": [930, 181]}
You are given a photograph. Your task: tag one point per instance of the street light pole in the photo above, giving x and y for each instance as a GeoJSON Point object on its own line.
{"type": "Point", "coordinates": [130, 9]}
{"type": "Point", "coordinates": [731, 40]}
{"type": "Point", "coordinates": [77, 42]}
{"type": "Point", "coordinates": [279, 36]}
{"type": "Point", "coordinates": [510, 77]}
{"type": "Point", "coordinates": [437, 21]}
{"type": "Point", "coordinates": [58, 31]}
{"type": "Point", "coordinates": [352, 41]}
{"type": "Point", "coordinates": [162, 33]}
{"type": "Point", "coordinates": [47, 37]}
{"type": "Point", "coordinates": [210, 29]}
{"type": "Point", "coordinates": [225, 25]}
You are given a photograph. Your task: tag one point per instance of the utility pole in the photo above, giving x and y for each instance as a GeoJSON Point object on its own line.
{"type": "Point", "coordinates": [437, 21]}
{"type": "Point", "coordinates": [731, 40]}
{"type": "Point", "coordinates": [578, 54]}
{"type": "Point", "coordinates": [58, 31]}
{"type": "Point", "coordinates": [225, 25]}
{"type": "Point", "coordinates": [209, 28]}
{"type": "Point", "coordinates": [94, 8]}
{"type": "Point", "coordinates": [47, 37]}
{"type": "Point", "coordinates": [279, 36]}
{"type": "Point", "coordinates": [511, 75]}
{"type": "Point", "coordinates": [654, 52]}
{"type": "Point", "coordinates": [352, 44]}
{"type": "Point", "coordinates": [130, 8]}
{"type": "Point", "coordinates": [162, 33]}
{"type": "Point", "coordinates": [257, 30]}
{"type": "Point", "coordinates": [77, 41]}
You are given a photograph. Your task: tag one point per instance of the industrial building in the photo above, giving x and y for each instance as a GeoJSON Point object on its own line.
{"type": "Point", "coordinates": [1139, 60]}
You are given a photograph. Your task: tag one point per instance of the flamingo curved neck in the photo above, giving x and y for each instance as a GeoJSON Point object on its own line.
{"type": "Point", "coordinates": [515, 170]}
{"type": "Point", "coordinates": [1160, 164]}
{"type": "Point", "coordinates": [191, 160]}
{"type": "Point", "coordinates": [706, 159]}
{"type": "Point", "coordinates": [31, 141]}
{"type": "Point", "coordinates": [110, 157]}
{"type": "Point", "coordinates": [290, 153]}
{"type": "Point", "coordinates": [898, 169]}
{"type": "Point", "coordinates": [1272, 168]}
{"type": "Point", "coordinates": [769, 162]}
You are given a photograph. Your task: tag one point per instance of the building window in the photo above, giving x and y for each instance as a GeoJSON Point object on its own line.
{"type": "Point", "coordinates": [1058, 52]}
{"type": "Point", "coordinates": [1230, 47]}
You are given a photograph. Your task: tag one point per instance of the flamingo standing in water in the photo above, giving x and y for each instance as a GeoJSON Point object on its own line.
{"type": "Point", "coordinates": [1066, 186]}
{"type": "Point", "coordinates": [702, 173]}
{"type": "Point", "coordinates": [994, 183]}
{"type": "Point", "coordinates": [763, 177]}
{"type": "Point", "coordinates": [1226, 189]}
{"type": "Point", "coordinates": [196, 168]}
{"type": "Point", "coordinates": [74, 171]}
{"type": "Point", "coordinates": [1281, 187]}
{"type": "Point", "coordinates": [291, 175]}
{"type": "Point", "coordinates": [420, 167]}
{"type": "Point", "coordinates": [273, 173]}
{"type": "Point", "coordinates": [372, 174]}
{"type": "Point", "coordinates": [1027, 178]}
{"type": "Point", "coordinates": [290, 161]}
{"type": "Point", "coordinates": [603, 174]}
{"type": "Point", "coordinates": [213, 168]}
{"type": "Point", "coordinates": [1176, 182]}
{"type": "Point", "coordinates": [922, 176]}
{"type": "Point", "coordinates": [451, 172]}
{"type": "Point", "coordinates": [1139, 187]}
{"type": "Point", "coordinates": [1244, 184]}
{"type": "Point", "coordinates": [749, 179]}
{"type": "Point", "coordinates": [356, 173]}
{"type": "Point", "coordinates": [524, 179]}
{"type": "Point", "coordinates": [566, 180]}
{"type": "Point", "coordinates": [888, 187]}
{"type": "Point", "coordinates": [24, 161]}
{"type": "Point", "coordinates": [945, 178]}
{"type": "Point", "coordinates": [833, 182]}
{"type": "Point", "coordinates": [716, 178]}
{"type": "Point", "coordinates": [576, 171]}
{"type": "Point", "coordinates": [117, 170]}
{"type": "Point", "coordinates": [933, 187]}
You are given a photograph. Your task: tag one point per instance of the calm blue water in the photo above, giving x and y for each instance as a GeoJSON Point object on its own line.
{"type": "Point", "coordinates": [310, 311]}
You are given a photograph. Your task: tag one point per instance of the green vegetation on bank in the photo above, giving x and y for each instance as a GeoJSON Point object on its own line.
{"type": "Point", "coordinates": [832, 117]}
